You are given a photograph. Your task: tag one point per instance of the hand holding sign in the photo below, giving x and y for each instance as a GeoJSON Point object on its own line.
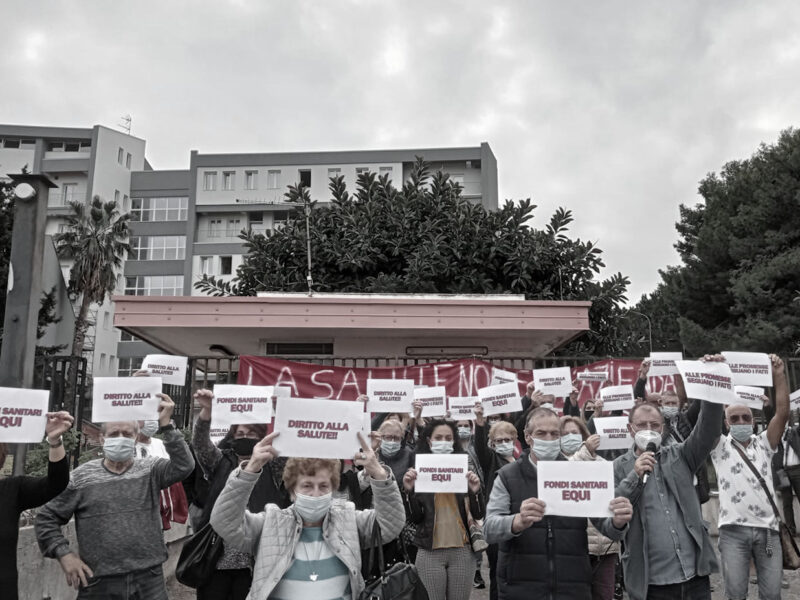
{"type": "Point", "coordinates": [263, 452]}
{"type": "Point", "coordinates": [409, 480]}
{"type": "Point", "coordinates": [58, 423]}
{"type": "Point", "coordinates": [530, 511]}
{"type": "Point", "coordinates": [367, 458]}
{"type": "Point", "coordinates": [203, 398]}
{"type": "Point", "coordinates": [474, 482]}
{"type": "Point", "coordinates": [165, 409]}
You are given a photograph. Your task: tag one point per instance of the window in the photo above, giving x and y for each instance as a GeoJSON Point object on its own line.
{"type": "Point", "coordinates": [154, 285]}
{"type": "Point", "coordinates": [120, 155]}
{"type": "Point", "coordinates": [250, 180]}
{"type": "Point", "coordinates": [106, 321]}
{"type": "Point", "coordinates": [128, 161]}
{"type": "Point", "coordinates": [86, 146]}
{"type": "Point", "coordinates": [55, 146]}
{"type": "Point", "coordinates": [256, 218]}
{"type": "Point", "coordinates": [334, 173]}
{"type": "Point", "coordinates": [10, 143]}
{"type": "Point", "coordinates": [62, 227]}
{"type": "Point", "coordinates": [207, 265]}
{"type": "Point", "coordinates": [72, 147]}
{"type": "Point", "coordinates": [127, 337]}
{"type": "Point", "coordinates": [385, 171]}
{"type": "Point", "coordinates": [227, 180]}
{"type": "Point", "coordinates": [102, 361]}
{"type": "Point", "coordinates": [459, 179]}
{"type": "Point", "coordinates": [273, 180]}
{"type": "Point", "coordinates": [210, 181]}
{"type": "Point", "coordinates": [111, 360]}
{"type": "Point", "coordinates": [279, 218]}
{"type": "Point", "coordinates": [360, 170]}
{"type": "Point", "coordinates": [128, 366]}
{"type": "Point", "coordinates": [159, 209]}
{"type": "Point", "coordinates": [308, 348]}
{"type": "Point", "coordinates": [158, 247]}
{"type": "Point", "coordinates": [225, 265]}
{"type": "Point", "coordinates": [69, 192]}
{"type": "Point", "coordinates": [215, 228]}
{"type": "Point", "coordinates": [305, 177]}
{"type": "Point", "coordinates": [234, 227]}
{"type": "Point", "coordinates": [116, 197]}
{"type": "Point", "coordinates": [126, 203]}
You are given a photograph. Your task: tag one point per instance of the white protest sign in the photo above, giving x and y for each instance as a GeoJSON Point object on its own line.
{"type": "Point", "coordinates": [390, 395]}
{"type": "Point", "coordinates": [125, 399]}
{"type": "Point", "coordinates": [217, 434]}
{"type": "Point", "coordinates": [712, 381]}
{"type": "Point", "coordinates": [441, 473]}
{"type": "Point", "coordinates": [318, 428]}
{"type": "Point", "coordinates": [434, 400]}
{"type": "Point", "coordinates": [599, 376]}
{"type": "Point", "coordinates": [501, 376]}
{"type": "Point", "coordinates": [663, 363]}
{"type": "Point", "coordinates": [23, 415]}
{"type": "Point", "coordinates": [497, 399]}
{"type": "Point", "coordinates": [613, 432]}
{"type": "Point", "coordinates": [750, 368]}
{"type": "Point", "coordinates": [617, 397]}
{"type": "Point", "coordinates": [241, 405]}
{"type": "Point", "coordinates": [171, 369]}
{"type": "Point", "coordinates": [576, 488]}
{"type": "Point", "coordinates": [557, 381]}
{"type": "Point", "coordinates": [749, 396]}
{"type": "Point", "coordinates": [462, 408]}
{"type": "Point", "coordinates": [794, 399]}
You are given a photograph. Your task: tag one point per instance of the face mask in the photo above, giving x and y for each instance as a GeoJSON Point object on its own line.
{"type": "Point", "coordinates": [313, 508]}
{"type": "Point", "coordinates": [669, 412]}
{"type": "Point", "coordinates": [390, 448]}
{"type": "Point", "coordinates": [505, 449]}
{"type": "Point", "coordinates": [464, 433]}
{"type": "Point", "coordinates": [149, 428]}
{"type": "Point", "coordinates": [645, 437]}
{"type": "Point", "coordinates": [546, 449]}
{"type": "Point", "coordinates": [571, 442]}
{"type": "Point", "coordinates": [741, 433]}
{"type": "Point", "coordinates": [119, 449]}
{"type": "Point", "coordinates": [244, 446]}
{"type": "Point", "coordinates": [548, 406]}
{"type": "Point", "coordinates": [441, 447]}
{"type": "Point", "coordinates": [493, 421]}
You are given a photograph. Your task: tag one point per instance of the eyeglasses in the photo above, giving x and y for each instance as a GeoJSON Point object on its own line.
{"type": "Point", "coordinates": [390, 438]}
{"type": "Point", "coordinates": [502, 440]}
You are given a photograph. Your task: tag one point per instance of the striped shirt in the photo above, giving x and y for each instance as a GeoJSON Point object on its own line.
{"type": "Point", "coordinates": [315, 571]}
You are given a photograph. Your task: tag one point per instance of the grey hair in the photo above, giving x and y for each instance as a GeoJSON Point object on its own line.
{"type": "Point", "coordinates": [103, 426]}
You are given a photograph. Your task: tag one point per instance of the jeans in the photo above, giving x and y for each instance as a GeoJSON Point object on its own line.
{"type": "Point", "coordinates": [603, 576]}
{"type": "Point", "coordinates": [147, 584]}
{"type": "Point", "coordinates": [737, 545]}
{"type": "Point", "coordinates": [697, 588]}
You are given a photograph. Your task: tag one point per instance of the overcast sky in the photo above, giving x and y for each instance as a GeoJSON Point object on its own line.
{"type": "Point", "coordinates": [614, 110]}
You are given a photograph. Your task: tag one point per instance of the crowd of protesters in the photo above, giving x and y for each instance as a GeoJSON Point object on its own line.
{"type": "Point", "coordinates": [298, 527]}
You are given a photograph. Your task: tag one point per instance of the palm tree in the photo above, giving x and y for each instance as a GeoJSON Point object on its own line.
{"type": "Point", "coordinates": [96, 239]}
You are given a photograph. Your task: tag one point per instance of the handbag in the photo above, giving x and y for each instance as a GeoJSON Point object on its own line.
{"type": "Point", "coordinates": [476, 538]}
{"type": "Point", "coordinates": [199, 556]}
{"type": "Point", "coordinates": [791, 554]}
{"type": "Point", "coordinates": [400, 582]}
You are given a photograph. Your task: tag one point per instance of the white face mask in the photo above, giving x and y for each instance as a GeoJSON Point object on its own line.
{"type": "Point", "coordinates": [669, 411]}
{"type": "Point", "coordinates": [313, 508]}
{"type": "Point", "coordinates": [390, 448]}
{"type": "Point", "coordinates": [546, 449]}
{"type": "Point", "coordinates": [505, 449]}
{"type": "Point", "coordinates": [119, 449]}
{"type": "Point", "coordinates": [645, 437]}
{"type": "Point", "coordinates": [441, 447]}
{"type": "Point", "coordinates": [149, 429]}
{"type": "Point", "coordinates": [570, 443]}
{"type": "Point", "coordinates": [464, 433]}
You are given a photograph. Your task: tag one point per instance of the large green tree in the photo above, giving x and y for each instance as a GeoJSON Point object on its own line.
{"type": "Point", "coordinates": [738, 285]}
{"type": "Point", "coordinates": [426, 238]}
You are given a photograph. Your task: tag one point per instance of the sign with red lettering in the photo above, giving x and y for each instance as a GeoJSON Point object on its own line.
{"type": "Point", "coordinates": [599, 376]}
{"type": "Point", "coordinates": [462, 408]}
{"type": "Point", "coordinates": [502, 376]}
{"type": "Point", "coordinates": [575, 488]}
{"type": "Point", "coordinates": [125, 399]}
{"type": "Point", "coordinates": [749, 396]}
{"type": "Point", "coordinates": [498, 399]}
{"type": "Point", "coordinates": [617, 397]}
{"type": "Point", "coordinates": [390, 395]}
{"type": "Point", "coordinates": [794, 398]}
{"type": "Point", "coordinates": [23, 415]}
{"type": "Point", "coordinates": [434, 400]}
{"type": "Point", "coordinates": [241, 405]}
{"type": "Point", "coordinates": [711, 381]}
{"type": "Point", "coordinates": [441, 473]}
{"type": "Point", "coordinates": [171, 369]}
{"type": "Point", "coordinates": [318, 428]}
{"type": "Point", "coordinates": [556, 381]}
{"type": "Point", "coordinates": [613, 432]}
{"type": "Point", "coordinates": [663, 363]}
{"type": "Point", "coordinates": [750, 368]}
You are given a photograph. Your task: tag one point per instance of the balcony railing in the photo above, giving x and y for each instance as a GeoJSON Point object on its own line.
{"type": "Point", "coordinates": [61, 197]}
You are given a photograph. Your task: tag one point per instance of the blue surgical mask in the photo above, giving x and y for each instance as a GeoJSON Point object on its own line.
{"type": "Point", "coordinates": [741, 433]}
{"type": "Point", "coordinates": [390, 448]}
{"type": "Point", "coordinates": [669, 412]}
{"type": "Point", "coordinates": [571, 442]}
{"type": "Point", "coordinates": [546, 449]}
{"type": "Point", "coordinates": [313, 508]}
{"type": "Point", "coordinates": [442, 447]}
{"type": "Point", "coordinates": [149, 429]}
{"type": "Point", "coordinates": [119, 449]}
{"type": "Point", "coordinates": [464, 433]}
{"type": "Point", "coordinates": [505, 449]}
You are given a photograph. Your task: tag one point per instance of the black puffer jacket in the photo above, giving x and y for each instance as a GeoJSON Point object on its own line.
{"type": "Point", "coordinates": [421, 510]}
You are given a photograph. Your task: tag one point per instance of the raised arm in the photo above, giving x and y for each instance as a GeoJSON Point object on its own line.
{"type": "Point", "coordinates": [704, 436]}
{"type": "Point", "coordinates": [208, 455]}
{"type": "Point", "coordinates": [181, 463]}
{"type": "Point", "coordinates": [35, 491]}
{"type": "Point", "coordinates": [778, 423]}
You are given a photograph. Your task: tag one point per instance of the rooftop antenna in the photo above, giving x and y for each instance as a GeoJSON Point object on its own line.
{"type": "Point", "coordinates": [125, 124]}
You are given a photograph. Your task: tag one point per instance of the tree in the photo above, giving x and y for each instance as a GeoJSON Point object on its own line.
{"type": "Point", "coordinates": [740, 249]}
{"type": "Point", "coordinates": [96, 240]}
{"type": "Point", "coordinates": [425, 238]}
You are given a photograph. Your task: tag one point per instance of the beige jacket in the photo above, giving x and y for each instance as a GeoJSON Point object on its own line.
{"type": "Point", "coordinates": [599, 545]}
{"type": "Point", "coordinates": [271, 536]}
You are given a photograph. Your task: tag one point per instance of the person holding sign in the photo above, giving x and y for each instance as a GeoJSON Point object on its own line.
{"type": "Point", "coordinates": [233, 575]}
{"type": "Point", "coordinates": [115, 502]}
{"type": "Point", "coordinates": [444, 556]}
{"type": "Point", "coordinates": [668, 552]}
{"type": "Point", "coordinates": [311, 549]}
{"type": "Point", "coordinates": [21, 493]}
{"type": "Point", "coordinates": [748, 519]}
{"type": "Point", "coordinates": [542, 556]}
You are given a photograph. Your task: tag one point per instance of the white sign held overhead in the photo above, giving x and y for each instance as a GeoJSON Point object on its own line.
{"type": "Point", "coordinates": [599, 376]}
{"type": "Point", "coordinates": [462, 408]}
{"type": "Point", "coordinates": [441, 473]}
{"type": "Point", "coordinates": [125, 399]}
{"type": "Point", "coordinates": [794, 399]}
{"type": "Point", "coordinates": [390, 395]}
{"type": "Point", "coordinates": [23, 415]}
{"type": "Point", "coordinates": [576, 488]}
{"type": "Point", "coordinates": [502, 376]}
{"type": "Point", "coordinates": [613, 432]}
{"type": "Point", "coordinates": [711, 381]}
{"type": "Point", "coordinates": [617, 397]}
{"type": "Point", "coordinates": [556, 381]}
{"type": "Point", "coordinates": [241, 405]}
{"type": "Point", "coordinates": [663, 363]}
{"type": "Point", "coordinates": [749, 396]}
{"type": "Point", "coordinates": [498, 399]}
{"type": "Point", "coordinates": [171, 369]}
{"type": "Point", "coordinates": [434, 400]}
{"type": "Point", "coordinates": [750, 368]}
{"type": "Point", "coordinates": [318, 428]}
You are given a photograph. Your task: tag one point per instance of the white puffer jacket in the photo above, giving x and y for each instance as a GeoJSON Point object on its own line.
{"type": "Point", "coordinates": [599, 545]}
{"type": "Point", "coordinates": [271, 536]}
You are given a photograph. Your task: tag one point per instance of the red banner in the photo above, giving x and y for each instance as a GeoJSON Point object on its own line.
{"type": "Point", "coordinates": [460, 377]}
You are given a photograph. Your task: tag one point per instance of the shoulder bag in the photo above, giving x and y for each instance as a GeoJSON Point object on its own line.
{"type": "Point", "coordinates": [199, 556]}
{"type": "Point", "coordinates": [399, 582]}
